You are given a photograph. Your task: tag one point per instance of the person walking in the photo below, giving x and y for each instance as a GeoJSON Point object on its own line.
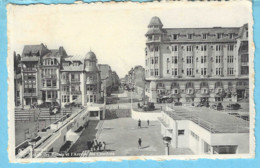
{"type": "Point", "coordinates": [139, 143]}
{"type": "Point", "coordinates": [148, 122]}
{"type": "Point", "coordinates": [139, 123]}
{"type": "Point", "coordinates": [99, 146]}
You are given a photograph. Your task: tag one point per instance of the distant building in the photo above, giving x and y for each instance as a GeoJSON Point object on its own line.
{"type": "Point", "coordinates": [45, 75]}
{"type": "Point", "coordinates": [109, 78]}
{"type": "Point", "coordinates": [196, 64]}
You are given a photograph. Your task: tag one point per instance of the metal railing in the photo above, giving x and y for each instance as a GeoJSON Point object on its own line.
{"type": "Point", "coordinates": [240, 127]}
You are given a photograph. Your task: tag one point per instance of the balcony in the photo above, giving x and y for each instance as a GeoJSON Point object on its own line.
{"type": "Point", "coordinates": [29, 69]}
{"type": "Point", "coordinates": [91, 82]}
{"type": "Point", "coordinates": [51, 76]}
{"type": "Point", "coordinates": [76, 92]}
{"type": "Point", "coordinates": [29, 94]}
{"type": "Point", "coordinates": [75, 80]}
{"type": "Point", "coordinates": [244, 63]}
{"type": "Point", "coordinates": [64, 82]}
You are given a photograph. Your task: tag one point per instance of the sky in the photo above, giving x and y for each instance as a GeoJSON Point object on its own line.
{"type": "Point", "coordinates": [115, 32]}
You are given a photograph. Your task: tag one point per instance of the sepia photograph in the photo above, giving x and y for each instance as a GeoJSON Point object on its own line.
{"type": "Point", "coordinates": [171, 80]}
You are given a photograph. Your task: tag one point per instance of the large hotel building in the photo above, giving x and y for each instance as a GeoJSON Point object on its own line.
{"type": "Point", "coordinates": [191, 65]}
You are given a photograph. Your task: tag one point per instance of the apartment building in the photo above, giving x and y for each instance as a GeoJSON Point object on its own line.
{"type": "Point", "coordinates": [45, 75]}
{"type": "Point", "coordinates": [191, 65]}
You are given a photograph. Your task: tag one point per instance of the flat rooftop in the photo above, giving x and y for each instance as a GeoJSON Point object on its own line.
{"type": "Point", "coordinates": [212, 120]}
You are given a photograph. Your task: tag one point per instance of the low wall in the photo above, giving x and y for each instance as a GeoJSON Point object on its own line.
{"type": "Point", "coordinates": [145, 115]}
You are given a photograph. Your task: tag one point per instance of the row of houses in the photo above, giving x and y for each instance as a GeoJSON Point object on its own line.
{"type": "Point", "coordinates": [43, 75]}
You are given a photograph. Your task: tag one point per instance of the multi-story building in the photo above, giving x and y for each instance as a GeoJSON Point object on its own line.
{"type": "Point", "coordinates": [106, 77]}
{"type": "Point", "coordinates": [196, 64]}
{"type": "Point", "coordinates": [80, 80]}
{"type": "Point", "coordinates": [45, 75]}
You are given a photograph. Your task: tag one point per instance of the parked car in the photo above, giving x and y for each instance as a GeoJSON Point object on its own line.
{"type": "Point", "coordinates": [218, 106]}
{"type": "Point", "coordinates": [149, 106]}
{"type": "Point", "coordinates": [203, 104]}
{"type": "Point", "coordinates": [235, 106]}
{"type": "Point", "coordinates": [178, 104]}
{"type": "Point", "coordinates": [49, 105]}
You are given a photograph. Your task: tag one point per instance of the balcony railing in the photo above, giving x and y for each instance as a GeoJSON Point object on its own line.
{"type": "Point", "coordinates": [76, 92]}
{"type": "Point", "coordinates": [29, 69]}
{"type": "Point", "coordinates": [244, 63]}
{"type": "Point", "coordinates": [75, 80]}
{"type": "Point", "coordinates": [53, 76]}
{"type": "Point", "coordinates": [65, 81]}
{"type": "Point", "coordinates": [29, 94]}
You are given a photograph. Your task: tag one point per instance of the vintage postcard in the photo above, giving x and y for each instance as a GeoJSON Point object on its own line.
{"type": "Point", "coordinates": [115, 81]}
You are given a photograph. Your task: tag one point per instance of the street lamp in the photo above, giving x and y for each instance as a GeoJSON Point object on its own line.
{"type": "Point", "coordinates": [167, 141]}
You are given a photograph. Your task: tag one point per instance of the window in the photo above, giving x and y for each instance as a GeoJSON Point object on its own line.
{"type": "Point", "coordinates": [230, 58]}
{"type": "Point", "coordinates": [203, 47]}
{"type": "Point", "coordinates": [189, 36]}
{"type": "Point", "coordinates": [203, 59]}
{"type": "Point", "coordinates": [244, 70]}
{"type": "Point", "coordinates": [219, 35]}
{"type": "Point", "coordinates": [156, 49]}
{"type": "Point", "coordinates": [203, 71]}
{"type": "Point", "coordinates": [174, 71]}
{"type": "Point", "coordinates": [155, 60]}
{"type": "Point", "coordinates": [189, 48]}
{"type": "Point", "coordinates": [189, 59]}
{"type": "Point", "coordinates": [93, 113]}
{"type": "Point", "coordinates": [156, 73]}
{"type": "Point", "coordinates": [189, 71]}
{"type": "Point", "coordinates": [180, 132]}
{"type": "Point", "coordinates": [48, 83]}
{"type": "Point", "coordinates": [230, 47]}
{"type": "Point", "coordinates": [231, 36]}
{"type": "Point", "coordinates": [219, 47]}
{"type": "Point", "coordinates": [218, 59]}
{"type": "Point", "coordinates": [174, 36]}
{"type": "Point", "coordinates": [204, 36]}
{"type": "Point", "coordinates": [175, 60]}
{"type": "Point", "coordinates": [175, 48]}
{"type": "Point", "coordinates": [218, 71]}
{"type": "Point", "coordinates": [230, 71]}
{"type": "Point", "coordinates": [244, 58]}
{"type": "Point", "coordinates": [54, 83]}
{"type": "Point", "coordinates": [146, 51]}
{"type": "Point", "coordinates": [152, 61]}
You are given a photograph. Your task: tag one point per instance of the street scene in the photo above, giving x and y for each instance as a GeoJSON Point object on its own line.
{"type": "Point", "coordinates": [188, 93]}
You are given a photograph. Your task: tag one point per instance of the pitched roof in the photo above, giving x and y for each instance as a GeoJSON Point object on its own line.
{"type": "Point", "coordinates": [33, 49]}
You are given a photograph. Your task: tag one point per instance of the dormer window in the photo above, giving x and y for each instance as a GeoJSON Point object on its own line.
{"type": "Point", "coordinates": [204, 36]}
{"type": "Point", "coordinates": [189, 36]}
{"type": "Point", "coordinates": [219, 35]}
{"type": "Point", "coordinates": [175, 36]}
{"type": "Point", "coordinates": [231, 36]}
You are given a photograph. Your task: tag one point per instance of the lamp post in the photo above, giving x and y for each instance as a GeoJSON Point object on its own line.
{"type": "Point", "coordinates": [167, 141]}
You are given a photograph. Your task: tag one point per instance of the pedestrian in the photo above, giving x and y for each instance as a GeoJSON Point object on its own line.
{"type": "Point", "coordinates": [92, 146]}
{"type": "Point", "coordinates": [148, 122]}
{"type": "Point", "coordinates": [104, 146]}
{"type": "Point", "coordinates": [139, 123]}
{"type": "Point", "coordinates": [139, 143]}
{"type": "Point", "coordinates": [99, 146]}
{"type": "Point", "coordinates": [138, 105]}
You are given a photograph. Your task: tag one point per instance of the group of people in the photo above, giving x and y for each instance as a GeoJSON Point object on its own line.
{"type": "Point", "coordinates": [95, 146]}
{"type": "Point", "coordinates": [140, 123]}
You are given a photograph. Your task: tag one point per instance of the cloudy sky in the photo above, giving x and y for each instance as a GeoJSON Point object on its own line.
{"type": "Point", "coordinates": [115, 32]}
